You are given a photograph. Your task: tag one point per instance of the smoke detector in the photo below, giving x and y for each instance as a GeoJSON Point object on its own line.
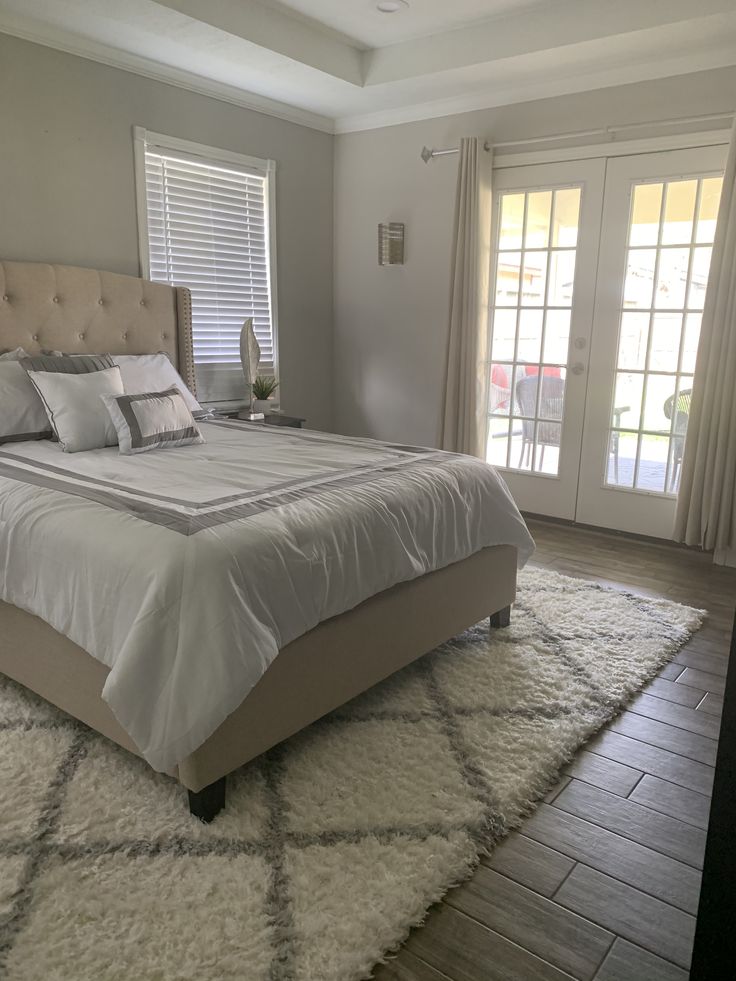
{"type": "Point", "coordinates": [391, 6]}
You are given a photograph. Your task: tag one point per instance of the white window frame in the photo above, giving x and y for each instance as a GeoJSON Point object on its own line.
{"type": "Point", "coordinates": [143, 138]}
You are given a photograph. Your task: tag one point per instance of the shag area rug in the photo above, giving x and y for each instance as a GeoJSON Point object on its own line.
{"type": "Point", "coordinates": [332, 845]}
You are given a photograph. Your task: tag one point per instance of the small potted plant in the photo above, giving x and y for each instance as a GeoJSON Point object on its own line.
{"type": "Point", "coordinates": [263, 388]}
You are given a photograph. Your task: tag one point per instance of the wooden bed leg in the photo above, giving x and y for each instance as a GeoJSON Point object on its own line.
{"type": "Point", "coordinates": [207, 803]}
{"type": "Point", "coordinates": [502, 618]}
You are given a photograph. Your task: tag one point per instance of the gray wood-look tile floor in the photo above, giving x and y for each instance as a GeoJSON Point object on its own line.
{"type": "Point", "coordinates": [602, 881]}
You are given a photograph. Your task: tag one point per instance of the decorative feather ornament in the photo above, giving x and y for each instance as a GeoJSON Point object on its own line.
{"type": "Point", "coordinates": [250, 355]}
{"type": "Point", "coordinates": [250, 352]}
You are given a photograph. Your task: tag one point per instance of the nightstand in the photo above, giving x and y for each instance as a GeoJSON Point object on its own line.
{"type": "Point", "coordinates": [280, 419]}
{"type": "Point", "coordinates": [273, 419]}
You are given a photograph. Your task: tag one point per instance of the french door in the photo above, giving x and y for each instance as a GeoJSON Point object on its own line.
{"type": "Point", "coordinates": [547, 221]}
{"type": "Point", "coordinates": [600, 269]}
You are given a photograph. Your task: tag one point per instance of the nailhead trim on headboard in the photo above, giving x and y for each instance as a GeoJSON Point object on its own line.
{"type": "Point", "coordinates": [186, 346]}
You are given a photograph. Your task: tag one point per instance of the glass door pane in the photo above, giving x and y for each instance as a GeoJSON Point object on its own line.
{"type": "Point", "coordinates": [658, 225]}
{"type": "Point", "coordinates": [536, 249]}
{"type": "Point", "coordinates": [670, 234]}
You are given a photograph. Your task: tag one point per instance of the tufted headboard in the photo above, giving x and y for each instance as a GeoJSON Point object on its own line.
{"type": "Point", "coordinates": [84, 311]}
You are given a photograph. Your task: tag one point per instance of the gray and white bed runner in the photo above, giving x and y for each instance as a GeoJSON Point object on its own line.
{"type": "Point", "coordinates": [185, 572]}
{"type": "Point", "coordinates": [188, 517]}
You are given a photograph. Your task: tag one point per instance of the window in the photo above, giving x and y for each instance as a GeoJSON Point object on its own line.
{"type": "Point", "coordinates": [531, 312]}
{"type": "Point", "coordinates": [672, 225]}
{"type": "Point", "coordinates": [205, 219]}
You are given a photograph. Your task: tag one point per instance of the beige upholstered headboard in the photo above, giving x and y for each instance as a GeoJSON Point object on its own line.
{"type": "Point", "coordinates": [84, 311]}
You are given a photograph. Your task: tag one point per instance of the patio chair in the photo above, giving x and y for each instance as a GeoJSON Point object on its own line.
{"type": "Point", "coordinates": [500, 387]}
{"type": "Point", "coordinates": [551, 399]}
{"type": "Point", "coordinates": [682, 414]}
{"type": "Point", "coordinates": [618, 411]}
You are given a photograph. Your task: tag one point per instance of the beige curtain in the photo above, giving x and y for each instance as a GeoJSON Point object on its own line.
{"type": "Point", "coordinates": [464, 410]}
{"type": "Point", "coordinates": [706, 506]}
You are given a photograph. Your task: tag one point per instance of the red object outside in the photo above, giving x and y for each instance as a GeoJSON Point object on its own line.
{"type": "Point", "coordinates": [550, 371]}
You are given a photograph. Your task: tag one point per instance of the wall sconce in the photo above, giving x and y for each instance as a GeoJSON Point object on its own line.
{"type": "Point", "coordinates": [391, 243]}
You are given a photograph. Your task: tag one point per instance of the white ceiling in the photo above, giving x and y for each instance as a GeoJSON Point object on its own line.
{"type": "Point", "coordinates": [339, 65]}
{"type": "Point", "coordinates": [361, 21]}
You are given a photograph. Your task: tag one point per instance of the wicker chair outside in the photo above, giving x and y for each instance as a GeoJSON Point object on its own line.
{"type": "Point", "coordinates": [682, 415]}
{"type": "Point", "coordinates": [551, 400]}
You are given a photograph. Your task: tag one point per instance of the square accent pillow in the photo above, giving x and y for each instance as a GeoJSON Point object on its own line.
{"type": "Point", "coordinates": [72, 403]}
{"type": "Point", "coordinates": [144, 373]}
{"type": "Point", "coordinates": [152, 420]}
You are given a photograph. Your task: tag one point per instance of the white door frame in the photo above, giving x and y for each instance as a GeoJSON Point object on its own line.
{"type": "Point", "coordinates": [643, 512]}
{"type": "Point", "coordinates": [543, 493]}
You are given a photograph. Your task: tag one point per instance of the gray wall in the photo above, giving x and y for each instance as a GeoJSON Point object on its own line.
{"type": "Point", "coordinates": [391, 323]}
{"type": "Point", "coordinates": [67, 191]}
{"type": "Point", "coordinates": [67, 194]}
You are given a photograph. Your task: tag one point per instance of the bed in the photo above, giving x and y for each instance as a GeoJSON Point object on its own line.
{"type": "Point", "coordinates": [309, 566]}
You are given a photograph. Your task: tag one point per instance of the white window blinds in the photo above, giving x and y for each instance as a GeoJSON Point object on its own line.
{"type": "Point", "coordinates": [207, 225]}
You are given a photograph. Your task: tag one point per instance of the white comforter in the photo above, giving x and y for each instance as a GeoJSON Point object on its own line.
{"type": "Point", "coordinates": [185, 570]}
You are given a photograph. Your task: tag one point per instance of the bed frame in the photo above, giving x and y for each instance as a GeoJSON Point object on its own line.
{"type": "Point", "coordinates": [89, 312]}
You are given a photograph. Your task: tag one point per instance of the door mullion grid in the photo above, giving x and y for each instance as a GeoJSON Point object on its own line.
{"type": "Point", "coordinates": [667, 246]}
{"type": "Point", "coordinates": [519, 295]}
{"type": "Point", "coordinates": [658, 309]}
{"type": "Point", "coordinates": [658, 373]}
{"type": "Point", "coordinates": [512, 379]}
{"type": "Point", "coordinates": [655, 278]}
{"type": "Point", "coordinates": [494, 309]}
{"type": "Point", "coordinates": [523, 270]}
{"type": "Point", "coordinates": [683, 322]}
{"type": "Point", "coordinates": [551, 306]}
{"type": "Point", "coordinates": [540, 376]}
{"type": "Point", "coordinates": [644, 432]}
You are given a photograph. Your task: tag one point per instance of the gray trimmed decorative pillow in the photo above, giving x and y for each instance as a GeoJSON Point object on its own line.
{"type": "Point", "coordinates": [78, 364]}
{"type": "Point", "coordinates": [72, 404]}
{"type": "Point", "coordinates": [152, 421]}
{"type": "Point", "coordinates": [22, 414]}
{"type": "Point", "coordinates": [56, 363]}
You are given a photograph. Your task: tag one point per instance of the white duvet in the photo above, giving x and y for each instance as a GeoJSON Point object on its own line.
{"type": "Point", "coordinates": [186, 570]}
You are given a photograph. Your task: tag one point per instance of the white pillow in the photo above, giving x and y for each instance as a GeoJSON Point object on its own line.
{"type": "Point", "coordinates": [74, 409]}
{"type": "Point", "coordinates": [15, 355]}
{"type": "Point", "coordinates": [142, 373]}
{"type": "Point", "coordinates": [22, 415]}
{"type": "Point", "coordinates": [152, 420]}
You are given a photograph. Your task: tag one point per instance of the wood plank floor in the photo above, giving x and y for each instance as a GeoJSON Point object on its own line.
{"type": "Point", "coordinates": [602, 881]}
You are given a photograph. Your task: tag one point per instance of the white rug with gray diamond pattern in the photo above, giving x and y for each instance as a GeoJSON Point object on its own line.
{"type": "Point", "coordinates": [332, 845]}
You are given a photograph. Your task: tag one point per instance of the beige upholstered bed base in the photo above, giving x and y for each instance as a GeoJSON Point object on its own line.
{"type": "Point", "coordinates": [316, 673]}
{"type": "Point", "coordinates": [85, 311]}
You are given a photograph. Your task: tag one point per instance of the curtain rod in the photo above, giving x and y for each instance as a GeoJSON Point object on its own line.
{"type": "Point", "coordinates": [429, 153]}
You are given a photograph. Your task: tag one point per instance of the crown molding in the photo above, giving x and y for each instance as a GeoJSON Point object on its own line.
{"type": "Point", "coordinates": [60, 40]}
{"type": "Point", "coordinates": [51, 37]}
{"type": "Point", "coordinates": [723, 57]}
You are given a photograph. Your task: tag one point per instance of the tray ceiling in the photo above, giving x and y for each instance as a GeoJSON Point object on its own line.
{"type": "Point", "coordinates": [361, 21]}
{"type": "Point", "coordinates": [340, 65]}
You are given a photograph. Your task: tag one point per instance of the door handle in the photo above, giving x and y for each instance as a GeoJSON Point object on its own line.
{"type": "Point", "coordinates": [578, 368]}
